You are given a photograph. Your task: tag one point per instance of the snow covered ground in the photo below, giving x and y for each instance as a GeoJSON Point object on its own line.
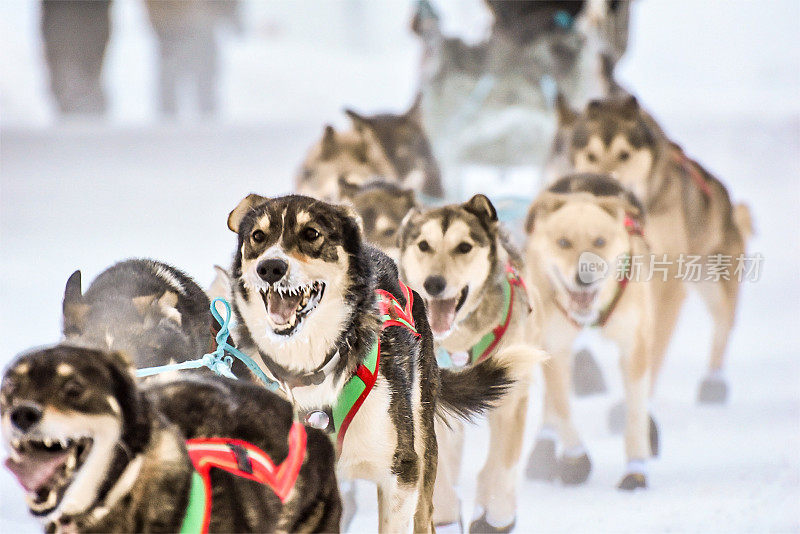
{"type": "Point", "coordinates": [724, 78]}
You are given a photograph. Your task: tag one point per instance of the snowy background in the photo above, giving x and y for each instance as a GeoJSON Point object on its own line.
{"type": "Point", "coordinates": [723, 77]}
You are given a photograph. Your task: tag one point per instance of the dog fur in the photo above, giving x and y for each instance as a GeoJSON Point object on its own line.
{"type": "Point", "coordinates": [456, 257]}
{"type": "Point", "coordinates": [616, 136]}
{"type": "Point", "coordinates": [126, 466]}
{"type": "Point", "coordinates": [149, 310]}
{"type": "Point", "coordinates": [298, 245]}
{"type": "Point", "coordinates": [580, 214]}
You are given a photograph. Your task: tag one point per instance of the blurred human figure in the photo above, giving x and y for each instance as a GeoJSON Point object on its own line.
{"type": "Point", "coordinates": [188, 49]}
{"type": "Point", "coordinates": [75, 36]}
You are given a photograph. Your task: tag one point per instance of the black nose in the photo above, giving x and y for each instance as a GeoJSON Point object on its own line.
{"type": "Point", "coordinates": [581, 283]}
{"type": "Point", "coordinates": [25, 416]}
{"type": "Point", "coordinates": [434, 285]}
{"type": "Point", "coordinates": [271, 271]}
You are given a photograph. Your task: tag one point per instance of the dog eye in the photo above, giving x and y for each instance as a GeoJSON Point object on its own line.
{"type": "Point", "coordinates": [423, 246]}
{"type": "Point", "coordinates": [592, 157]}
{"type": "Point", "coordinates": [564, 243]}
{"type": "Point", "coordinates": [599, 242]}
{"type": "Point", "coordinates": [72, 390]}
{"type": "Point", "coordinates": [310, 234]}
{"type": "Point", "coordinates": [389, 232]}
{"type": "Point", "coordinates": [624, 155]}
{"type": "Point", "coordinates": [463, 248]}
{"type": "Point", "coordinates": [258, 236]}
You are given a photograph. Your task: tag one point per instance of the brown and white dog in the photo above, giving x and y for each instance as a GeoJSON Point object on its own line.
{"type": "Point", "coordinates": [308, 295]}
{"type": "Point", "coordinates": [457, 257]}
{"type": "Point", "coordinates": [689, 213]}
{"type": "Point", "coordinates": [581, 233]}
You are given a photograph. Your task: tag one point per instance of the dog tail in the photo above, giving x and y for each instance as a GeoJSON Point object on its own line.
{"type": "Point", "coordinates": [469, 393]}
{"type": "Point", "coordinates": [743, 221]}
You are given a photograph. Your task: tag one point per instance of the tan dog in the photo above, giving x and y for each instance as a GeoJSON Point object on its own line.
{"type": "Point", "coordinates": [689, 212]}
{"type": "Point", "coordinates": [576, 248]}
{"type": "Point", "coordinates": [457, 258]}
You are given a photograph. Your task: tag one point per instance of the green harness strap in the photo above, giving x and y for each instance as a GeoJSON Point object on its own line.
{"type": "Point", "coordinates": [196, 509]}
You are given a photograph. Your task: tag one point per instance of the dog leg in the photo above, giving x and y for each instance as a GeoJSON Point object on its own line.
{"type": "Point", "coordinates": [446, 503]}
{"type": "Point", "coordinates": [637, 420]}
{"type": "Point", "coordinates": [497, 482]}
{"type": "Point", "coordinates": [397, 503]}
{"type": "Point", "coordinates": [587, 379]}
{"type": "Point", "coordinates": [667, 301]}
{"type": "Point", "coordinates": [720, 299]}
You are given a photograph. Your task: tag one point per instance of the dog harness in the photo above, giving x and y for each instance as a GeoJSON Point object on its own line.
{"type": "Point", "coordinates": [242, 459]}
{"type": "Point", "coordinates": [484, 347]}
{"type": "Point", "coordinates": [634, 227]}
{"type": "Point", "coordinates": [336, 419]}
{"type": "Point", "coordinates": [690, 170]}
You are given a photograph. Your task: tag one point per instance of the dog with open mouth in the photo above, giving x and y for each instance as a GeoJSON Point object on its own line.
{"type": "Point", "coordinates": [95, 452]}
{"type": "Point", "coordinates": [459, 259]}
{"type": "Point", "coordinates": [326, 315]}
{"type": "Point", "coordinates": [583, 232]}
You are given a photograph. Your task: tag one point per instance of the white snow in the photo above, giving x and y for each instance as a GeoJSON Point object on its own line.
{"type": "Point", "coordinates": [723, 77]}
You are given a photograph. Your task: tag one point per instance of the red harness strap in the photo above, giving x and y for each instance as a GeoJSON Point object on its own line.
{"type": "Point", "coordinates": [514, 280]}
{"type": "Point", "coordinates": [245, 460]}
{"type": "Point", "coordinates": [690, 169]}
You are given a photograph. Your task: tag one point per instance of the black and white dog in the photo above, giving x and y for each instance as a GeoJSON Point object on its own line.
{"type": "Point", "coordinates": [94, 452]}
{"type": "Point", "coordinates": [326, 315]}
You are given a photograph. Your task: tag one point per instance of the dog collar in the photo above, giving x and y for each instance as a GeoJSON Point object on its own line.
{"type": "Point", "coordinates": [242, 459]}
{"type": "Point", "coordinates": [290, 379]}
{"type": "Point", "coordinates": [484, 347]}
{"type": "Point", "coordinates": [336, 419]}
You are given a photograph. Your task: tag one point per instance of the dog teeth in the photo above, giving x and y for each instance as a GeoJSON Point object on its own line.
{"type": "Point", "coordinates": [16, 444]}
{"type": "Point", "coordinates": [71, 462]}
{"type": "Point", "coordinates": [47, 442]}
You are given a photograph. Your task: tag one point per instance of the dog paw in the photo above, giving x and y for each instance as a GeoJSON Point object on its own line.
{"type": "Point", "coordinates": [574, 469]}
{"type": "Point", "coordinates": [713, 390]}
{"type": "Point", "coordinates": [655, 441]}
{"type": "Point", "coordinates": [481, 526]}
{"type": "Point", "coordinates": [632, 481]}
{"type": "Point", "coordinates": [542, 464]}
{"type": "Point", "coordinates": [456, 527]}
{"type": "Point", "coordinates": [616, 418]}
{"type": "Point", "coordinates": [347, 489]}
{"type": "Point", "coordinates": [587, 378]}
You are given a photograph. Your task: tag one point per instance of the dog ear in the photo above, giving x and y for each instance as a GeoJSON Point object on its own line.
{"type": "Point", "coordinates": [409, 197]}
{"type": "Point", "coordinates": [546, 203]}
{"type": "Point", "coordinates": [167, 305]}
{"type": "Point", "coordinates": [221, 286]}
{"type": "Point", "coordinates": [328, 143]}
{"type": "Point", "coordinates": [414, 113]}
{"type": "Point", "coordinates": [480, 206]}
{"type": "Point", "coordinates": [566, 115]}
{"type": "Point", "coordinates": [248, 203]}
{"type": "Point", "coordinates": [360, 122]}
{"type": "Point", "coordinates": [618, 207]}
{"type": "Point", "coordinates": [73, 308]}
{"type": "Point", "coordinates": [402, 230]}
{"type": "Point", "coordinates": [143, 303]}
{"type": "Point", "coordinates": [593, 108]}
{"type": "Point", "coordinates": [347, 189]}
{"type": "Point", "coordinates": [135, 409]}
{"type": "Point", "coordinates": [629, 107]}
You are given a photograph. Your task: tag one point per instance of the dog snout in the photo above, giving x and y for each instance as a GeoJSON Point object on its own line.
{"type": "Point", "coordinates": [25, 416]}
{"type": "Point", "coordinates": [581, 283]}
{"type": "Point", "coordinates": [434, 285]}
{"type": "Point", "coordinates": [272, 270]}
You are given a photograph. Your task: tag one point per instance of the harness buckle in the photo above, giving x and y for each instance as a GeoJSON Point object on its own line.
{"type": "Point", "coordinates": [243, 462]}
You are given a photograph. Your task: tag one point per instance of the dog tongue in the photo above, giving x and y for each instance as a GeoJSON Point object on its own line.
{"type": "Point", "coordinates": [281, 308]}
{"type": "Point", "coordinates": [442, 313]}
{"type": "Point", "coordinates": [582, 299]}
{"type": "Point", "coordinates": [33, 470]}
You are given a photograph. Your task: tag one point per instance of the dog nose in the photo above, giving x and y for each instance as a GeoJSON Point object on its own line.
{"type": "Point", "coordinates": [25, 416]}
{"type": "Point", "coordinates": [434, 285]}
{"type": "Point", "coordinates": [273, 270]}
{"type": "Point", "coordinates": [580, 283]}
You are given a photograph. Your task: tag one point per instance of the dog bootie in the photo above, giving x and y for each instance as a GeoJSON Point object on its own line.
{"type": "Point", "coordinates": [616, 418]}
{"type": "Point", "coordinates": [482, 526]}
{"type": "Point", "coordinates": [456, 527]}
{"type": "Point", "coordinates": [655, 441]}
{"type": "Point", "coordinates": [713, 390]}
{"type": "Point", "coordinates": [587, 378]}
{"type": "Point", "coordinates": [574, 468]}
{"type": "Point", "coordinates": [635, 478]}
{"type": "Point", "coordinates": [543, 464]}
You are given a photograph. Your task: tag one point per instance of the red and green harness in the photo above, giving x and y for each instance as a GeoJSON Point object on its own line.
{"type": "Point", "coordinates": [242, 459]}
{"type": "Point", "coordinates": [336, 419]}
{"type": "Point", "coordinates": [484, 347]}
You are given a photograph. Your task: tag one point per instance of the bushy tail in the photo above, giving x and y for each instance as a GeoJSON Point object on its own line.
{"type": "Point", "coordinates": [474, 390]}
{"type": "Point", "coordinates": [743, 220]}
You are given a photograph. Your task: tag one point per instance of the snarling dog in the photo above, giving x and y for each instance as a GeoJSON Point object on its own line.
{"type": "Point", "coordinates": [147, 309]}
{"type": "Point", "coordinates": [582, 234]}
{"type": "Point", "coordinates": [689, 213]}
{"type": "Point", "coordinates": [382, 207]}
{"type": "Point", "coordinates": [94, 452]}
{"type": "Point", "coordinates": [326, 316]}
{"type": "Point", "coordinates": [457, 257]}
{"type": "Point", "coordinates": [390, 147]}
